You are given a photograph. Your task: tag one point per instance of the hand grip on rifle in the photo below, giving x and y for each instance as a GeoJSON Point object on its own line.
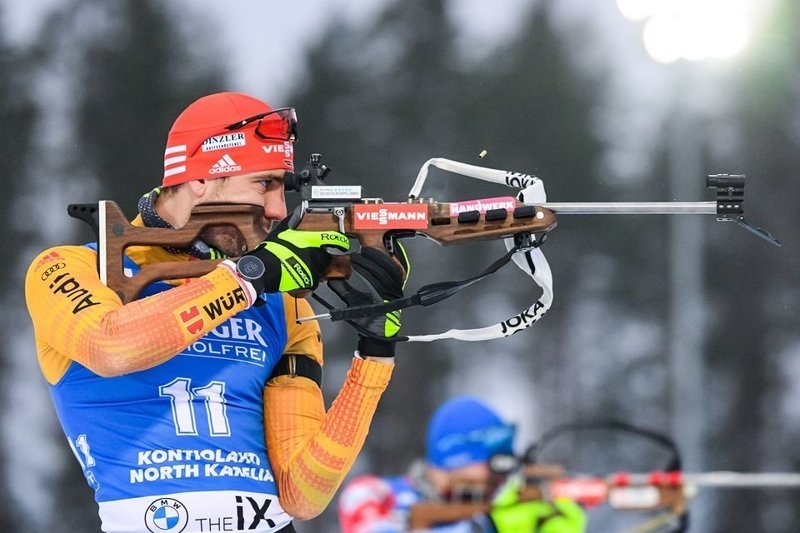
{"type": "Point", "coordinates": [377, 278]}
{"type": "Point", "coordinates": [289, 260]}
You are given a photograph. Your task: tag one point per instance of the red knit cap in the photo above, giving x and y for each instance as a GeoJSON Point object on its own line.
{"type": "Point", "coordinates": [206, 142]}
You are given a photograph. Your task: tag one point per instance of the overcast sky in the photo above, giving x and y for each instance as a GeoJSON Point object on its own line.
{"type": "Point", "coordinates": [247, 27]}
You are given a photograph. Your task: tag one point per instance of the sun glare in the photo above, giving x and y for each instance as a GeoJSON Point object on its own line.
{"type": "Point", "coordinates": [691, 29]}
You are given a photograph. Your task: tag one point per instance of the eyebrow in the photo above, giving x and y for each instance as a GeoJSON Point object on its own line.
{"type": "Point", "coordinates": [277, 176]}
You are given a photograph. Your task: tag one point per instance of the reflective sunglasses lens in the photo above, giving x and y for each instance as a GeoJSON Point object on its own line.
{"type": "Point", "coordinates": [280, 124]}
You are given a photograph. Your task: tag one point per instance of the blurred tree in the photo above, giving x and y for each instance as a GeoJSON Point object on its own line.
{"type": "Point", "coordinates": [377, 104]}
{"type": "Point", "coordinates": [17, 114]}
{"type": "Point", "coordinates": [380, 102]}
{"type": "Point", "coordinates": [138, 72]}
{"type": "Point", "coordinates": [129, 77]}
{"type": "Point", "coordinates": [536, 105]}
{"type": "Point", "coordinates": [756, 293]}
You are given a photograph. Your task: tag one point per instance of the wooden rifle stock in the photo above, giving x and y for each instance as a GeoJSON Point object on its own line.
{"type": "Point", "coordinates": [241, 227]}
{"type": "Point", "coordinates": [425, 515]}
{"type": "Point", "coordinates": [442, 226]}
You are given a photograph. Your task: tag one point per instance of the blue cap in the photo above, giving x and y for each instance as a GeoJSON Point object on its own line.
{"type": "Point", "coordinates": [464, 430]}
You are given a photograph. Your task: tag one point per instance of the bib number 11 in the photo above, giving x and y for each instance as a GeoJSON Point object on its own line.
{"type": "Point", "coordinates": [182, 396]}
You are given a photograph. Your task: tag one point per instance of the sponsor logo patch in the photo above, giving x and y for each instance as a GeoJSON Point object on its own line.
{"type": "Point", "coordinates": [238, 339]}
{"type": "Point", "coordinates": [297, 272]}
{"type": "Point", "coordinates": [525, 319]}
{"type": "Point", "coordinates": [519, 180]}
{"type": "Point", "coordinates": [49, 258]}
{"type": "Point", "coordinates": [68, 286]}
{"type": "Point", "coordinates": [52, 269]}
{"type": "Point", "coordinates": [192, 320]}
{"type": "Point", "coordinates": [286, 149]}
{"type": "Point", "coordinates": [225, 165]}
{"type": "Point", "coordinates": [166, 515]}
{"type": "Point", "coordinates": [221, 142]}
{"type": "Point", "coordinates": [390, 216]}
{"type": "Point", "coordinates": [254, 511]}
{"type": "Point", "coordinates": [224, 303]}
{"type": "Point", "coordinates": [337, 237]}
{"type": "Point", "coordinates": [483, 204]}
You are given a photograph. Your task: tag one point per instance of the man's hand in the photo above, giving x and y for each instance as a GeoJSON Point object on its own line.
{"type": "Point", "coordinates": [376, 278]}
{"type": "Point", "coordinates": [289, 259]}
{"type": "Point", "coordinates": [509, 515]}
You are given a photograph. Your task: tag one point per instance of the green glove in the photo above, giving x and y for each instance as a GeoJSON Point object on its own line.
{"type": "Point", "coordinates": [509, 515]}
{"type": "Point", "coordinates": [289, 259]}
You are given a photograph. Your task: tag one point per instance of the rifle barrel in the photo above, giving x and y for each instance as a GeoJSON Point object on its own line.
{"type": "Point", "coordinates": [742, 479]}
{"type": "Point", "coordinates": [631, 208]}
{"type": "Point", "coordinates": [728, 479]}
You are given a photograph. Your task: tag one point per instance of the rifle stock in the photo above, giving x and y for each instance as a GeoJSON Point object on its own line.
{"type": "Point", "coordinates": [116, 234]}
{"type": "Point", "coordinates": [441, 226]}
{"type": "Point", "coordinates": [425, 515]}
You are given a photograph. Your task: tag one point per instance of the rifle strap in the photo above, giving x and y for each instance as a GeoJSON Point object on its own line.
{"type": "Point", "coordinates": [425, 296]}
{"type": "Point", "coordinates": [527, 256]}
{"type": "Point", "coordinates": [529, 260]}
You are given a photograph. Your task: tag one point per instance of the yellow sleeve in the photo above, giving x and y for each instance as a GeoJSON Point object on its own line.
{"type": "Point", "coordinates": [310, 450]}
{"type": "Point", "coordinates": [77, 318]}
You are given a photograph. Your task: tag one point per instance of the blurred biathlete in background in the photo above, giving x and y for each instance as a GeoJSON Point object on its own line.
{"type": "Point", "coordinates": [463, 435]}
{"type": "Point", "coordinates": [198, 407]}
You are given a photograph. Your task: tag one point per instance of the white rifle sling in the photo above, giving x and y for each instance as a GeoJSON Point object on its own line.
{"type": "Point", "coordinates": [532, 193]}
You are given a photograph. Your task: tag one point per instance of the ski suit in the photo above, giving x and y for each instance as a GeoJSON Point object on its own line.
{"type": "Point", "coordinates": [170, 405]}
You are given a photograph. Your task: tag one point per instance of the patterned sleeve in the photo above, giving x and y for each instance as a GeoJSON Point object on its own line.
{"type": "Point", "coordinates": [77, 318]}
{"type": "Point", "coordinates": [311, 450]}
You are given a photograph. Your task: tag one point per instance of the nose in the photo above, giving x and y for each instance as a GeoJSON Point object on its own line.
{"type": "Point", "coordinates": [274, 206]}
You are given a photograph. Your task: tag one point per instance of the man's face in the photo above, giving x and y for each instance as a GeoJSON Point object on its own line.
{"type": "Point", "coordinates": [263, 188]}
{"type": "Point", "coordinates": [460, 483]}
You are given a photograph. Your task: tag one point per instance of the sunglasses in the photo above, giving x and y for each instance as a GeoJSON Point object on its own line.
{"type": "Point", "coordinates": [278, 124]}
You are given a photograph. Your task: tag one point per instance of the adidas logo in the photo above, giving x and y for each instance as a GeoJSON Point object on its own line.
{"type": "Point", "coordinates": [224, 165]}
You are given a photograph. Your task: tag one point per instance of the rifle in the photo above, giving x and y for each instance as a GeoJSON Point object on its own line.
{"type": "Point", "coordinates": [523, 221]}
{"type": "Point", "coordinates": [669, 490]}
{"type": "Point", "coordinates": [624, 491]}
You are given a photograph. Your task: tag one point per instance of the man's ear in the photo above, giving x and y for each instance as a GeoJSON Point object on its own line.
{"type": "Point", "coordinates": [197, 187]}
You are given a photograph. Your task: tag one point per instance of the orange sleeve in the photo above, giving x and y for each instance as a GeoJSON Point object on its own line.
{"type": "Point", "coordinates": [304, 337]}
{"type": "Point", "coordinates": [77, 318]}
{"type": "Point", "coordinates": [310, 450]}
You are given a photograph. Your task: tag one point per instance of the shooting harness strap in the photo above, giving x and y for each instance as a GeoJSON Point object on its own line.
{"type": "Point", "coordinates": [294, 365]}
{"type": "Point", "coordinates": [523, 249]}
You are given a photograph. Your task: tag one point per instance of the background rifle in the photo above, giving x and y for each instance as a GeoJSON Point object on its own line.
{"type": "Point", "coordinates": [669, 490]}
{"type": "Point", "coordinates": [658, 490]}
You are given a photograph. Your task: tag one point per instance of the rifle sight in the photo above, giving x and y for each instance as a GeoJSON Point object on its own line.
{"type": "Point", "coordinates": [312, 174]}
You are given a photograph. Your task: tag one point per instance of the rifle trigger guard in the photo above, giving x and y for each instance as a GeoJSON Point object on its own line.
{"type": "Point", "coordinates": [390, 240]}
